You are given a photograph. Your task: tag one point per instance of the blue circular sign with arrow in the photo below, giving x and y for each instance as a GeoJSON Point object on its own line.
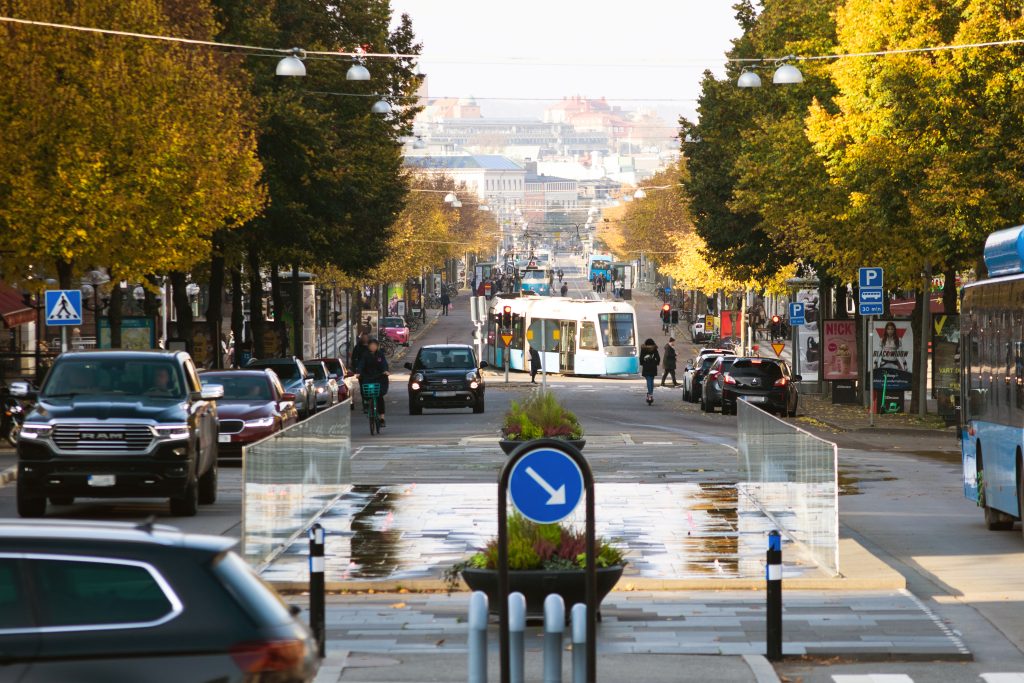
{"type": "Point", "coordinates": [546, 485]}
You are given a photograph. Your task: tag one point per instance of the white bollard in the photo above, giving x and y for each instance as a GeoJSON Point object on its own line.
{"type": "Point", "coordinates": [554, 627]}
{"type": "Point", "coordinates": [478, 637]}
{"type": "Point", "coordinates": [517, 637]}
{"type": "Point", "coordinates": [579, 643]}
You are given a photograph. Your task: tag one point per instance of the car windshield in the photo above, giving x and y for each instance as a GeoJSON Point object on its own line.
{"type": "Point", "coordinates": [708, 361]}
{"type": "Point", "coordinates": [445, 359]}
{"type": "Point", "coordinates": [334, 366]}
{"type": "Point", "coordinates": [392, 322]}
{"type": "Point", "coordinates": [317, 370]}
{"type": "Point", "coordinates": [111, 375]}
{"type": "Point", "coordinates": [285, 371]}
{"type": "Point", "coordinates": [756, 368]}
{"type": "Point", "coordinates": [600, 265]}
{"type": "Point", "coordinates": [241, 387]}
{"type": "Point", "coordinates": [617, 329]}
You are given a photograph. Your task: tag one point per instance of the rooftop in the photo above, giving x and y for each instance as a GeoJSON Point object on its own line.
{"type": "Point", "coordinates": [491, 162]}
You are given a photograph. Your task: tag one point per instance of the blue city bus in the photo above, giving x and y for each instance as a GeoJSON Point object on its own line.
{"type": "Point", "coordinates": [599, 264]}
{"type": "Point", "coordinates": [991, 425]}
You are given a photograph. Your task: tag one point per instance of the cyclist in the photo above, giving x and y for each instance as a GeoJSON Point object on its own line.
{"type": "Point", "coordinates": [373, 369]}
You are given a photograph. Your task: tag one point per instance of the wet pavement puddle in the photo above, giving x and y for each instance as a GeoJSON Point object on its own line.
{"type": "Point", "coordinates": [669, 531]}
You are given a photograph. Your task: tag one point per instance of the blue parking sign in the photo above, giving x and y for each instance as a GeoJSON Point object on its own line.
{"type": "Point", "coordinates": [871, 278]}
{"type": "Point", "coordinates": [797, 313]}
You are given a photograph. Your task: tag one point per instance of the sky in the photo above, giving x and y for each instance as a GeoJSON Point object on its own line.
{"type": "Point", "coordinates": [645, 53]}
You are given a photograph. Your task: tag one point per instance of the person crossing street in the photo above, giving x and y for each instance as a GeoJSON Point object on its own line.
{"type": "Point", "coordinates": [650, 359]}
{"type": "Point", "coordinates": [669, 362]}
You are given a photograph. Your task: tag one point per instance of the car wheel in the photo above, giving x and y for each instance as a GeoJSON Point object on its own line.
{"type": "Point", "coordinates": [686, 394]}
{"type": "Point", "coordinates": [792, 413]}
{"type": "Point", "coordinates": [478, 407]}
{"type": "Point", "coordinates": [62, 500]}
{"type": "Point", "coordinates": [30, 506]}
{"type": "Point", "coordinates": [187, 504]}
{"type": "Point", "coordinates": [415, 409]}
{"type": "Point", "coordinates": [208, 486]}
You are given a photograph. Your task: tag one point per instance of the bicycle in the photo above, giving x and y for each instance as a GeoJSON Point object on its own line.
{"type": "Point", "coordinates": [370, 393]}
{"type": "Point", "coordinates": [387, 346]}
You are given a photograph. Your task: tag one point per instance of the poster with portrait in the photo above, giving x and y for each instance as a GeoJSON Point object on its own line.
{"type": "Point", "coordinates": [808, 337]}
{"type": "Point", "coordinates": [396, 299]}
{"type": "Point", "coordinates": [892, 355]}
{"type": "Point", "coordinates": [368, 324]}
{"type": "Point", "coordinates": [839, 343]}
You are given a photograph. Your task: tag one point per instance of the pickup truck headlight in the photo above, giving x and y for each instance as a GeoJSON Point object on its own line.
{"type": "Point", "coordinates": [260, 422]}
{"type": "Point", "coordinates": [35, 431]}
{"type": "Point", "coordinates": [175, 432]}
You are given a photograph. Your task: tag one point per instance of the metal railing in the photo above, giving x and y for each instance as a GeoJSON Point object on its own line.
{"type": "Point", "coordinates": [792, 477]}
{"type": "Point", "coordinates": [289, 480]}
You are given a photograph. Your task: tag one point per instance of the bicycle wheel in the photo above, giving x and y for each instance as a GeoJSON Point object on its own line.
{"type": "Point", "coordinates": [372, 412]}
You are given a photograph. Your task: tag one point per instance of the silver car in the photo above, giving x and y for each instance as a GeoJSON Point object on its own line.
{"type": "Point", "coordinates": [325, 386]}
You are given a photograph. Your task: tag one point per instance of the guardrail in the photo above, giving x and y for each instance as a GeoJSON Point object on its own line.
{"type": "Point", "coordinates": [289, 480]}
{"type": "Point", "coordinates": [792, 476]}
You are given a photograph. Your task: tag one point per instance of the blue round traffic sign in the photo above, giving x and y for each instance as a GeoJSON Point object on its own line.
{"type": "Point", "coordinates": [546, 485]}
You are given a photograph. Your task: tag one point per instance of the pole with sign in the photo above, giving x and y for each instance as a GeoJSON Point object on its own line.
{"type": "Point", "coordinates": [870, 303]}
{"type": "Point", "coordinates": [797, 317]}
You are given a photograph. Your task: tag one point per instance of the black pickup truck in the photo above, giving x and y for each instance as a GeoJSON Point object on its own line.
{"type": "Point", "coordinates": [119, 424]}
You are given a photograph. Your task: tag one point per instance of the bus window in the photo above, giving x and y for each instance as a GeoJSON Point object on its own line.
{"type": "Point", "coordinates": [617, 329]}
{"type": "Point", "coordinates": [588, 336]}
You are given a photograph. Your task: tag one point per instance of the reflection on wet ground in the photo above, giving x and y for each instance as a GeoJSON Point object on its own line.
{"type": "Point", "coordinates": [850, 480]}
{"type": "Point", "coordinates": [669, 531]}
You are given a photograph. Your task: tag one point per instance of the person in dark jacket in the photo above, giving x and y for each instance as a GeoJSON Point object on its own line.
{"type": "Point", "coordinates": [373, 369]}
{"type": "Point", "coordinates": [534, 364]}
{"type": "Point", "coordinates": [358, 351]}
{"type": "Point", "coordinates": [650, 359]}
{"type": "Point", "coordinates": [445, 301]}
{"type": "Point", "coordinates": [565, 289]}
{"type": "Point", "coordinates": [669, 362]}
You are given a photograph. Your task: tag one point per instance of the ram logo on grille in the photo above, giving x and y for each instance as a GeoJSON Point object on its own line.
{"type": "Point", "coordinates": [102, 436]}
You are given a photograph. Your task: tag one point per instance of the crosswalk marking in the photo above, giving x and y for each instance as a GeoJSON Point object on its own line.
{"type": "Point", "coordinates": [873, 678]}
{"type": "Point", "coordinates": [1003, 678]}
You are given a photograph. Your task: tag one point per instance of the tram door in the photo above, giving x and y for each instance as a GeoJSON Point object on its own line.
{"type": "Point", "coordinates": [567, 346]}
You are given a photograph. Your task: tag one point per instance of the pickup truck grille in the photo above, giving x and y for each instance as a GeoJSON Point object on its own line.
{"type": "Point", "coordinates": [230, 426]}
{"type": "Point", "coordinates": [102, 437]}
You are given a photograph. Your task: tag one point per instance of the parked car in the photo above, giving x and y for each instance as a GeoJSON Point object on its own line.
{"type": "Point", "coordinates": [324, 384]}
{"type": "Point", "coordinates": [91, 601]}
{"type": "Point", "coordinates": [344, 378]}
{"type": "Point", "coordinates": [693, 375]}
{"type": "Point", "coordinates": [395, 329]}
{"type": "Point", "coordinates": [711, 394]}
{"type": "Point", "coordinates": [764, 382]}
{"type": "Point", "coordinates": [119, 424]}
{"type": "Point", "coordinates": [446, 376]}
{"type": "Point", "coordinates": [295, 379]}
{"type": "Point", "coordinates": [254, 406]}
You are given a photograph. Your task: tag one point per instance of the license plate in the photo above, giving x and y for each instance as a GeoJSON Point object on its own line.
{"type": "Point", "coordinates": [223, 438]}
{"type": "Point", "coordinates": [102, 480]}
{"type": "Point", "coordinates": [756, 399]}
{"type": "Point", "coordinates": [444, 394]}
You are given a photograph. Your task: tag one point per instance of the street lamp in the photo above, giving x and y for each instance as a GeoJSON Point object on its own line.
{"type": "Point", "coordinates": [357, 72]}
{"type": "Point", "coordinates": [381, 107]}
{"type": "Point", "coordinates": [292, 64]}
{"type": "Point", "coordinates": [450, 198]}
{"type": "Point", "coordinates": [787, 74]}
{"type": "Point", "coordinates": [640, 193]}
{"type": "Point", "coordinates": [91, 290]}
{"type": "Point", "coordinates": [748, 79]}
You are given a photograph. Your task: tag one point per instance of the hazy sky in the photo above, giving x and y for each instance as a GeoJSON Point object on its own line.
{"type": "Point", "coordinates": [650, 51]}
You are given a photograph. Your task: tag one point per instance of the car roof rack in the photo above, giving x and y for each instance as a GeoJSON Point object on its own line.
{"type": "Point", "coordinates": [148, 525]}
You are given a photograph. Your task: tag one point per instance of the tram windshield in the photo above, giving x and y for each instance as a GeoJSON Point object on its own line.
{"type": "Point", "coordinates": [617, 329]}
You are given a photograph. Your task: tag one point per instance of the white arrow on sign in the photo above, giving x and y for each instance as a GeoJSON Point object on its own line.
{"type": "Point", "coordinates": [557, 497]}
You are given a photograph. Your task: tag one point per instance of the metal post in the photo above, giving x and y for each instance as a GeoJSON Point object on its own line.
{"type": "Point", "coordinates": [507, 358]}
{"type": "Point", "coordinates": [316, 585]}
{"type": "Point", "coordinates": [871, 372]}
{"type": "Point", "coordinates": [517, 637]}
{"type": "Point", "coordinates": [554, 626]}
{"type": "Point", "coordinates": [64, 339]}
{"type": "Point", "coordinates": [926, 330]}
{"type": "Point", "coordinates": [543, 354]}
{"type": "Point", "coordinates": [579, 643]}
{"type": "Point", "coordinates": [478, 637]}
{"type": "Point", "coordinates": [774, 597]}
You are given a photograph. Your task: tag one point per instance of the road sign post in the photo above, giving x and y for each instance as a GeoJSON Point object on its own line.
{"type": "Point", "coordinates": [546, 479]}
{"type": "Point", "coordinates": [63, 309]}
{"type": "Point", "coordinates": [871, 302]}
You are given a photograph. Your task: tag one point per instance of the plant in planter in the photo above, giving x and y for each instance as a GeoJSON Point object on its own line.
{"type": "Point", "coordinates": [541, 415]}
{"type": "Point", "coordinates": [542, 559]}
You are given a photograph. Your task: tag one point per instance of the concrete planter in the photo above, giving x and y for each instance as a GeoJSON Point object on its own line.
{"type": "Point", "coordinates": [507, 445]}
{"type": "Point", "coordinates": [537, 584]}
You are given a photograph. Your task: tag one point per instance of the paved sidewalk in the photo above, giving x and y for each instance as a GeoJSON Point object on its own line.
{"type": "Point", "coordinates": [404, 632]}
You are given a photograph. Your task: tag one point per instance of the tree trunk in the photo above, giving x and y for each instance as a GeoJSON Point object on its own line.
{"type": "Point", "coordinates": [841, 299]}
{"type": "Point", "coordinates": [182, 308]}
{"type": "Point", "coordinates": [297, 312]}
{"type": "Point", "coordinates": [215, 303]}
{"type": "Point", "coordinates": [114, 314]}
{"type": "Point", "coordinates": [950, 295]}
{"type": "Point", "coordinates": [237, 315]}
{"type": "Point", "coordinates": [64, 270]}
{"type": "Point", "coordinates": [256, 320]}
{"type": "Point", "coordinates": [279, 324]}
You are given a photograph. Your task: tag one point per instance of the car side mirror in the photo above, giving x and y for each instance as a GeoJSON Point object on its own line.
{"type": "Point", "coordinates": [211, 392]}
{"type": "Point", "coordinates": [21, 389]}
{"type": "Point", "coordinates": [483, 364]}
{"type": "Point", "coordinates": [407, 366]}
{"type": "Point", "coordinates": [798, 378]}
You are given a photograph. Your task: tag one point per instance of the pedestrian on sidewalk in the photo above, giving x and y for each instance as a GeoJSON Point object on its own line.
{"type": "Point", "coordinates": [534, 364]}
{"type": "Point", "coordinates": [445, 301]}
{"type": "Point", "coordinates": [565, 289]}
{"type": "Point", "coordinates": [650, 359]}
{"type": "Point", "coordinates": [669, 362]}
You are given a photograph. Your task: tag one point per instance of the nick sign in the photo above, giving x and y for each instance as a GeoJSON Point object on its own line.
{"type": "Point", "coordinates": [839, 340]}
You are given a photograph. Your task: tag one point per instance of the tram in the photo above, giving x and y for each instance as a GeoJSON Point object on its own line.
{"type": "Point", "coordinates": [583, 337]}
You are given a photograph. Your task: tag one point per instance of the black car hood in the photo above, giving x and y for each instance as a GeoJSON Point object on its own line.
{"type": "Point", "coordinates": [107, 407]}
{"type": "Point", "coordinates": [448, 374]}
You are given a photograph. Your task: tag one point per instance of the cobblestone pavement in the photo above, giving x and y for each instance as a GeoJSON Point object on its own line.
{"type": "Point", "coordinates": [867, 625]}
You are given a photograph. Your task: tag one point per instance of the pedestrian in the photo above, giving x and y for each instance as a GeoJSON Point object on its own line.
{"type": "Point", "coordinates": [565, 289]}
{"type": "Point", "coordinates": [358, 351]}
{"type": "Point", "coordinates": [669, 362]}
{"type": "Point", "coordinates": [534, 364]}
{"type": "Point", "coordinates": [445, 301]}
{"type": "Point", "coordinates": [650, 359]}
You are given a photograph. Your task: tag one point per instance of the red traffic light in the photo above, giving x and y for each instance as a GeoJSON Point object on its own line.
{"type": "Point", "coordinates": [507, 310]}
{"type": "Point", "coordinates": [666, 307]}
{"type": "Point", "coordinates": [775, 319]}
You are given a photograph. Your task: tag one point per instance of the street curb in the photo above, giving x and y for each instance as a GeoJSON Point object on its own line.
{"type": "Point", "coordinates": [762, 669]}
{"type": "Point", "coordinates": [8, 475]}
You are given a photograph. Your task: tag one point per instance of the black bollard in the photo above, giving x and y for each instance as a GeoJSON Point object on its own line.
{"type": "Point", "coordinates": [774, 595]}
{"type": "Point", "coordinates": [316, 586]}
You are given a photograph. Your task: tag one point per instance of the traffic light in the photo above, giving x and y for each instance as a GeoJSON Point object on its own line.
{"type": "Point", "coordinates": [776, 320]}
{"type": "Point", "coordinates": [506, 318]}
{"type": "Point", "coordinates": [666, 311]}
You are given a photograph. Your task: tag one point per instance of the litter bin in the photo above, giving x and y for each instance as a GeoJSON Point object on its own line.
{"type": "Point", "coordinates": [844, 391]}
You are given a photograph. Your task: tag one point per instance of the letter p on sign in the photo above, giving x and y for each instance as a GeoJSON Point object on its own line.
{"type": "Point", "coordinates": [870, 277]}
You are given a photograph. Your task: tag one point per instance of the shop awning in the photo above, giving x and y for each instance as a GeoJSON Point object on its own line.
{"type": "Point", "coordinates": [13, 310]}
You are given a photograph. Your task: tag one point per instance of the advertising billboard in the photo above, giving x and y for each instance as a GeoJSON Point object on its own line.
{"type": "Point", "coordinates": [839, 342]}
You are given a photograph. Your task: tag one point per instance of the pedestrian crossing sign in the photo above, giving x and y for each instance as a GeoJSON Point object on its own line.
{"type": "Point", "coordinates": [63, 307]}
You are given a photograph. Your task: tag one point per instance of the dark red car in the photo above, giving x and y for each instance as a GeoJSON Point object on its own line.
{"type": "Point", "coordinates": [254, 406]}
